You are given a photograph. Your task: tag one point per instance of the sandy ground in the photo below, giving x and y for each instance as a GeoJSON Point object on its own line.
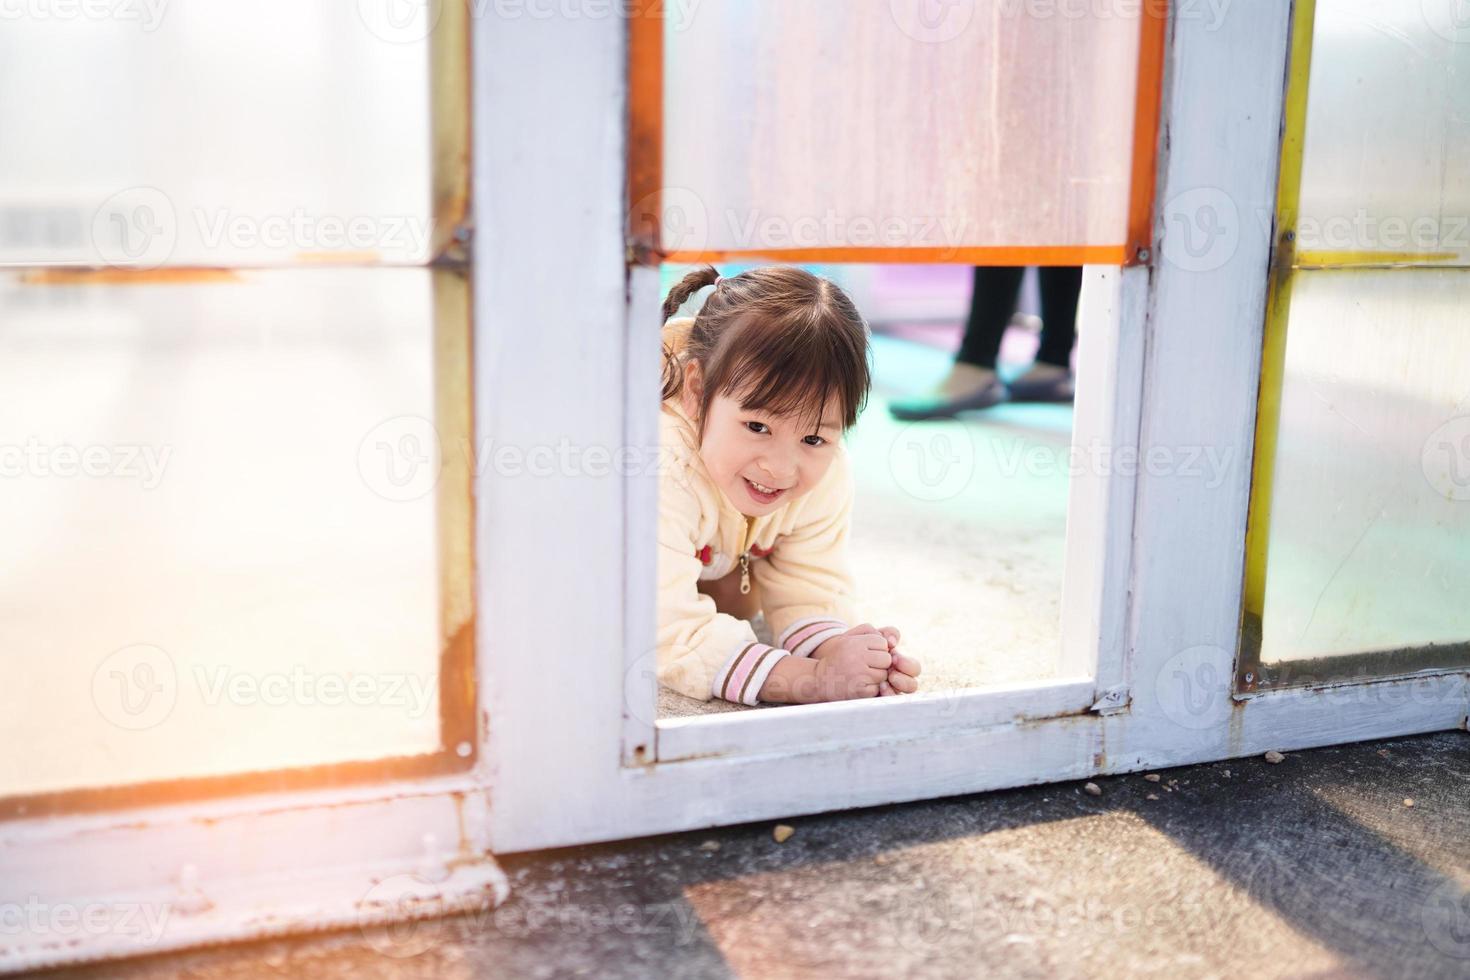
{"type": "Point", "coordinates": [959, 531]}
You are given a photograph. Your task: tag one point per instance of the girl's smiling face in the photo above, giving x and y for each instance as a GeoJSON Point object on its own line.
{"type": "Point", "coordinates": [761, 460]}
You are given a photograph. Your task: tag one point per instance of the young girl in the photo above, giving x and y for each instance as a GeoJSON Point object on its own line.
{"type": "Point", "coordinates": [755, 498]}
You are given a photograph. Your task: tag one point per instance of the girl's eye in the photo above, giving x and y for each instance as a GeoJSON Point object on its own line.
{"type": "Point", "coordinates": [757, 427]}
{"type": "Point", "coordinates": [814, 441]}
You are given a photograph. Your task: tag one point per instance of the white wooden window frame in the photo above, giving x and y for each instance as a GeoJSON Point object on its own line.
{"type": "Point", "coordinates": [562, 333]}
{"type": "Point", "coordinates": [1154, 564]}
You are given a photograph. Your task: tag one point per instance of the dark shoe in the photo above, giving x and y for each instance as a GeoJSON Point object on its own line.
{"type": "Point", "coordinates": [934, 407]}
{"type": "Point", "coordinates": [1060, 389]}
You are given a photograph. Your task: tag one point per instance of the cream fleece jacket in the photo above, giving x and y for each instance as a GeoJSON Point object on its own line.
{"type": "Point", "coordinates": [796, 556]}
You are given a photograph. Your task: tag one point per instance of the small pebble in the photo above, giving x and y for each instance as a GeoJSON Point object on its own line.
{"type": "Point", "coordinates": [1093, 789]}
{"type": "Point", "coordinates": [881, 859]}
{"type": "Point", "coordinates": [1408, 802]}
{"type": "Point", "coordinates": [782, 832]}
{"type": "Point", "coordinates": [1227, 773]}
{"type": "Point", "coordinates": [1274, 757]}
{"type": "Point", "coordinates": [1383, 753]}
{"type": "Point", "coordinates": [1152, 796]}
{"type": "Point", "coordinates": [710, 845]}
{"type": "Point", "coordinates": [1152, 777]}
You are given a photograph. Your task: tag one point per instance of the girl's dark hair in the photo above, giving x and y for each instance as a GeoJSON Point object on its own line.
{"type": "Point", "coordinates": [778, 338]}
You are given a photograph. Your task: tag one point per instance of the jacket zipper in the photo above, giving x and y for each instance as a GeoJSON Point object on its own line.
{"type": "Point", "coordinates": [745, 557]}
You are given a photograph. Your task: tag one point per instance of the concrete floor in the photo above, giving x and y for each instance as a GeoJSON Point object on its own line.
{"type": "Point", "coordinates": [1314, 867]}
{"type": "Point", "coordinates": [954, 540]}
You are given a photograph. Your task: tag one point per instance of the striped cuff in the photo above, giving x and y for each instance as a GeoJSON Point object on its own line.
{"type": "Point", "coordinates": [805, 635]}
{"type": "Point", "coordinates": [741, 677]}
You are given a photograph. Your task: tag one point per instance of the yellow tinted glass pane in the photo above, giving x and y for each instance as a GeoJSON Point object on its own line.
{"type": "Point", "coordinates": [1370, 508]}
{"type": "Point", "coordinates": [1386, 161]}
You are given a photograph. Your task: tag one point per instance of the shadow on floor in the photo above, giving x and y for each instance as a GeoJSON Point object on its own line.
{"type": "Point", "coordinates": [1311, 867]}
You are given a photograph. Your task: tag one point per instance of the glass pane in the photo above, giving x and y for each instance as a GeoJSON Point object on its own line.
{"type": "Point", "coordinates": [219, 525]}
{"type": "Point", "coordinates": [212, 133]}
{"type": "Point", "coordinates": [806, 125]}
{"type": "Point", "coordinates": [1386, 163]}
{"type": "Point", "coordinates": [1370, 510]}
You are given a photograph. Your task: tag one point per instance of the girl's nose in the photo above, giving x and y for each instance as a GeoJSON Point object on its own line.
{"type": "Point", "coordinates": [782, 471]}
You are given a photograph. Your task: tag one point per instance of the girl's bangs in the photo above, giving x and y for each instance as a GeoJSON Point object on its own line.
{"type": "Point", "coordinates": [792, 366]}
{"type": "Point", "coordinates": [786, 393]}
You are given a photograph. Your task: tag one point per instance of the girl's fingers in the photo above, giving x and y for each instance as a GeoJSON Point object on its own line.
{"type": "Point", "coordinates": [905, 663]}
{"type": "Point", "coordinates": [885, 689]}
{"type": "Point", "coordinates": [902, 683]}
{"type": "Point", "coordinates": [892, 634]}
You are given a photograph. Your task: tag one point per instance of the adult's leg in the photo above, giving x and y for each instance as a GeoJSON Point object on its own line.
{"type": "Point", "coordinates": [992, 303]}
{"type": "Point", "coordinates": [1049, 379]}
{"type": "Point", "coordinates": [1060, 287]}
{"type": "Point", "coordinates": [971, 382]}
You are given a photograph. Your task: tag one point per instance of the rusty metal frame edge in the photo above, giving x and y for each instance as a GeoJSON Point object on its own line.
{"type": "Point", "coordinates": [1273, 343]}
{"type": "Point", "coordinates": [451, 120]}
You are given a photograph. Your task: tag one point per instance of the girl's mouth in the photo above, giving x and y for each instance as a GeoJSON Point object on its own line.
{"type": "Point", "coordinates": [761, 493]}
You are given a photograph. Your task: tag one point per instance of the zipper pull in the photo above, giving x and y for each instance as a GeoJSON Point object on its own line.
{"type": "Point", "coordinates": [745, 543]}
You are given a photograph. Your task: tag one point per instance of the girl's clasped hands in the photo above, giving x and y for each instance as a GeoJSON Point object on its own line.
{"type": "Point", "coordinates": [864, 662]}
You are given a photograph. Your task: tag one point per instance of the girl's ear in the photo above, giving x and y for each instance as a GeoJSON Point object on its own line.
{"type": "Point", "coordinates": [692, 393]}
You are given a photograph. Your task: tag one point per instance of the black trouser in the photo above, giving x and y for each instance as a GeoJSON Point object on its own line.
{"type": "Point", "coordinates": [994, 300]}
